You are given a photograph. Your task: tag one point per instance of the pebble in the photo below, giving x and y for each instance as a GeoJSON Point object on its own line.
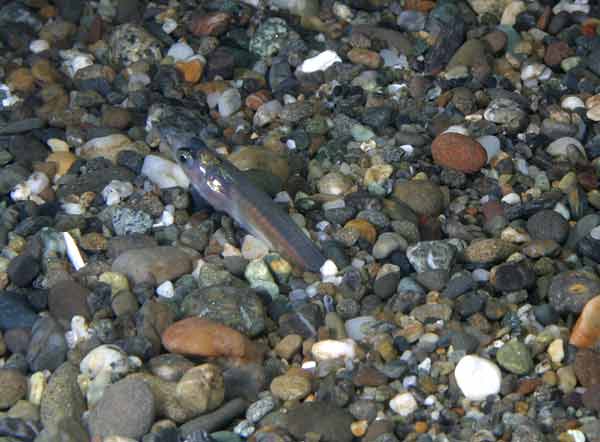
{"type": "Point", "coordinates": [128, 397]}
{"type": "Point", "coordinates": [569, 291]}
{"type": "Point", "coordinates": [201, 389]}
{"type": "Point", "coordinates": [423, 197]}
{"type": "Point", "coordinates": [458, 152]}
{"type": "Point", "coordinates": [202, 337]}
{"type": "Point", "coordinates": [153, 265]}
{"type": "Point", "coordinates": [13, 387]}
{"type": "Point", "coordinates": [477, 377]}
{"type": "Point", "coordinates": [404, 404]}
{"type": "Point", "coordinates": [515, 357]}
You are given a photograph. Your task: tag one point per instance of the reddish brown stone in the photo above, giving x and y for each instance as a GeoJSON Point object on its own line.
{"type": "Point", "coordinates": [459, 152]}
{"type": "Point", "coordinates": [369, 377]}
{"type": "Point", "coordinates": [557, 52]}
{"type": "Point", "coordinates": [587, 367]}
{"type": "Point", "coordinates": [586, 332]}
{"type": "Point", "coordinates": [205, 338]}
{"type": "Point", "coordinates": [528, 386]}
{"type": "Point", "coordinates": [214, 23]}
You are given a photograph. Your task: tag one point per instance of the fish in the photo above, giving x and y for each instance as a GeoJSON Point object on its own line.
{"type": "Point", "coordinates": [227, 189]}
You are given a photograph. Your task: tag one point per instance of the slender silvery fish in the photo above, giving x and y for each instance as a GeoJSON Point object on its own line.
{"type": "Point", "coordinates": [227, 189]}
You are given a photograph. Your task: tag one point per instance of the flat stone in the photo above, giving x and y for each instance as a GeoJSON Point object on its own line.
{"type": "Point", "coordinates": [153, 265]}
{"type": "Point", "coordinates": [126, 409]}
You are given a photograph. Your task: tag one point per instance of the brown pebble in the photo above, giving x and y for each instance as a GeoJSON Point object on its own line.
{"type": "Point", "coordinates": [459, 152]}
{"type": "Point", "coordinates": [210, 24]}
{"type": "Point", "coordinates": [202, 337]}
{"type": "Point", "coordinates": [191, 71]}
{"type": "Point", "coordinates": [557, 52]}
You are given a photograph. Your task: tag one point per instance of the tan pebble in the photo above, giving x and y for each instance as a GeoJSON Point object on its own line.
{"type": "Point", "coordinates": [288, 346]}
{"type": "Point", "coordinates": [359, 428]}
{"type": "Point", "coordinates": [289, 388]}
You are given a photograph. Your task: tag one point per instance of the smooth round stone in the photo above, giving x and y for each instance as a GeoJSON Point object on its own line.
{"type": "Point", "coordinates": [491, 144]}
{"type": "Point", "coordinates": [62, 397]}
{"type": "Point", "coordinates": [334, 183]}
{"type": "Point", "coordinates": [126, 409]}
{"type": "Point", "coordinates": [201, 389]}
{"type": "Point", "coordinates": [290, 387]}
{"type": "Point", "coordinates": [48, 347]}
{"type": "Point", "coordinates": [569, 291]}
{"type": "Point", "coordinates": [423, 197]}
{"type": "Point", "coordinates": [13, 387]}
{"type": "Point", "coordinates": [356, 327]}
{"type": "Point", "coordinates": [387, 243]}
{"type": "Point", "coordinates": [153, 265]}
{"type": "Point", "coordinates": [514, 356]}
{"type": "Point", "coordinates": [331, 422]}
{"type": "Point", "coordinates": [561, 147]}
{"type": "Point", "coordinates": [477, 377]}
{"type": "Point", "coordinates": [488, 251]}
{"type": "Point", "coordinates": [512, 276]}
{"type": "Point", "coordinates": [22, 270]}
{"type": "Point", "coordinates": [459, 152]}
{"type": "Point", "coordinates": [548, 224]}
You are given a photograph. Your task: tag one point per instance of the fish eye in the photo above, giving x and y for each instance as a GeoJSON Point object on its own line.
{"type": "Point", "coordinates": [184, 155]}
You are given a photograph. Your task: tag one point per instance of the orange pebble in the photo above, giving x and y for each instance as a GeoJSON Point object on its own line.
{"type": "Point", "coordinates": [586, 332]}
{"type": "Point", "coordinates": [421, 427]}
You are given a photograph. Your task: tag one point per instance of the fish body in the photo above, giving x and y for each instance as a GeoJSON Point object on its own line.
{"type": "Point", "coordinates": [229, 190]}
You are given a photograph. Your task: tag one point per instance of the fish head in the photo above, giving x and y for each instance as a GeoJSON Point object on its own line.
{"type": "Point", "coordinates": [204, 166]}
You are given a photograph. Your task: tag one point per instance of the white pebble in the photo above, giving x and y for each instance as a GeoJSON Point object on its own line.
{"type": "Point", "coordinates": [563, 210]}
{"type": "Point", "coordinates": [164, 173]}
{"type": "Point", "coordinates": [75, 60]}
{"type": "Point", "coordinates": [328, 269]}
{"type": "Point", "coordinates": [105, 357]}
{"type": "Point", "coordinates": [409, 381]}
{"type": "Point", "coordinates": [79, 331]}
{"type": "Point", "coordinates": [481, 275]}
{"type": "Point", "coordinates": [21, 192]}
{"type": "Point", "coordinates": [404, 404]}
{"type": "Point", "coordinates": [37, 182]}
{"type": "Point", "coordinates": [572, 102]}
{"type": "Point", "coordinates": [9, 99]}
{"type": "Point", "coordinates": [320, 62]}
{"type": "Point", "coordinates": [577, 435]}
{"type": "Point", "coordinates": [511, 198]}
{"type": "Point", "coordinates": [355, 327]}
{"type": "Point", "coordinates": [332, 349]}
{"type": "Point", "coordinates": [595, 233]}
{"type": "Point", "coordinates": [169, 25]}
{"type": "Point", "coordinates": [167, 217]}
{"type": "Point", "coordinates": [166, 290]}
{"type": "Point", "coordinates": [37, 46]}
{"type": "Point", "coordinates": [477, 377]}
{"type": "Point", "coordinates": [116, 191]}
{"type": "Point", "coordinates": [342, 11]}
{"type": "Point", "coordinates": [180, 51]}
{"type": "Point", "coordinates": [229, 102]}
{"type": "Point", "coordinates": [571, 6]}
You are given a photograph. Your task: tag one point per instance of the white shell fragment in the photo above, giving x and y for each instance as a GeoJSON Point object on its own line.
{"type": "Point", "coordinates": [477, 377]}
{"type": "Point", "coordinates": [73, 252]}
{"type": "Point", "coordinates": [332, 349]}
{"type": "Point", "coordinates": [320, 62]}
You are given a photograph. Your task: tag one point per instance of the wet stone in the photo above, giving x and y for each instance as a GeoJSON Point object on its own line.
{"type": "Point", "coordinates": [570, 291]}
